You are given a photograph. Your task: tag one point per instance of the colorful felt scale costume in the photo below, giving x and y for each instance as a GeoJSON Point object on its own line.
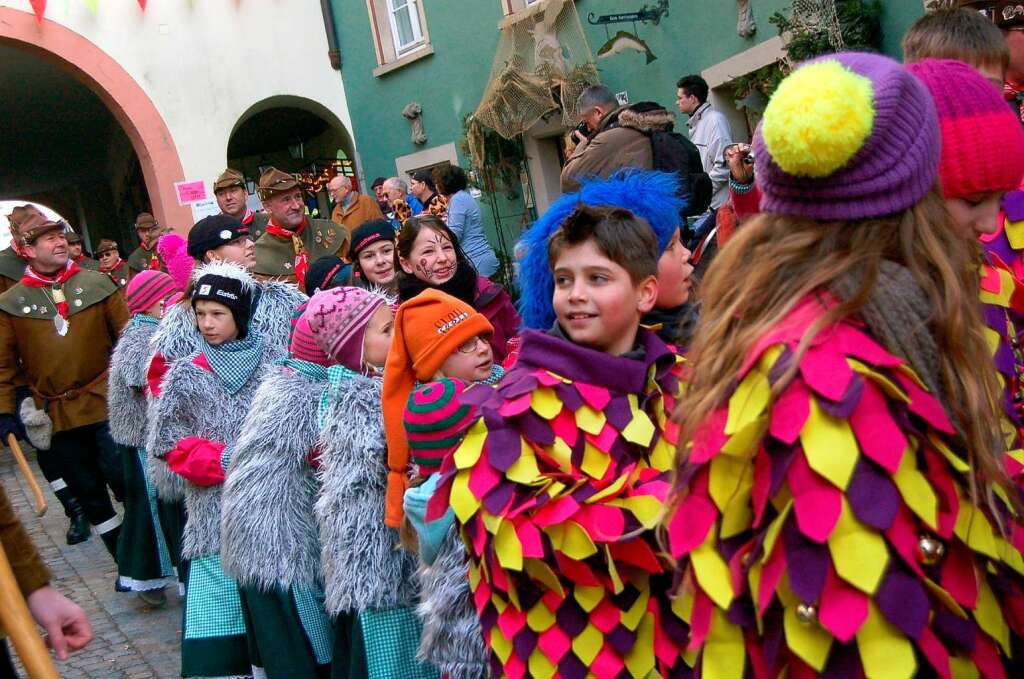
{"type": "Point", "coordinates": [558, 489]}
{"type": "Point", "coordinates": [830, 529]}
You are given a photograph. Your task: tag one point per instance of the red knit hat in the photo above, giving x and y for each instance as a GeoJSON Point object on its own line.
{"type": "Point", "coordinates": [435, 422]}
{"type": "Point", "coordinates": [428, 329]}
{"type": "Point", "coordinates": [982, 141]}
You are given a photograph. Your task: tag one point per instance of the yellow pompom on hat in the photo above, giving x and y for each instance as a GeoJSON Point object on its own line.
{"type": "Point", "coordinates": [845, 137]}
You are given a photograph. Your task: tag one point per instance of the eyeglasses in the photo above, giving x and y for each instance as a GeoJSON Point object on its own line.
{"type": "Point", "coordinates": [469, 346]}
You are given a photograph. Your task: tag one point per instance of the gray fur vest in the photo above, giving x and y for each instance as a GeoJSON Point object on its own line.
{"type": "Point", "coordinates": [363, 565]}
{"type": "Point", "coordinates": [451, 640]}
{"type": "Point", "coordinates": [194, 403]}
{"type": "Point", "coordinates": [126, 384]}
{"type": "Point", "coordinates": [268, 534]}
{"type": "Point", "coordinates": [178, 337]}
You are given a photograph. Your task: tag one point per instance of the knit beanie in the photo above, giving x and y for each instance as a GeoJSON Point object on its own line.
{"type": "Point", "coordinates": [303, 344]}
{"type": "Point", "coordinates": [227, 284]}
{"type": "Point", "coordinates": [435, 422]}
{"type": "Point", "coordinates": [368, 233]}
{"type": "Point", "coordinates": [338, 319]}
{"type": "Point", "coordinates": [428, 328]}
{"type": "Point", "coordinates": [846, 137]}
{"type": "Point", "coordinates": [982, 141]}
{"type": "Point", "coordinates": [148, 287]}
{"type": "Point", "coordinates": [648, 194]}
{"type": "Point", "coordinates": [324, 274]}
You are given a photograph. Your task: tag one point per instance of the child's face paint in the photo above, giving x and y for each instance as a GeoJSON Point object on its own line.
{"type": "Point", "coordinates": [432, 258]}
{"type": "Point", "coordinates": [597, 304]}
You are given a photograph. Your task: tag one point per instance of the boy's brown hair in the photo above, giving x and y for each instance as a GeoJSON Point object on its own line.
{"type": "Point", "coordinates": [962, 34]}
{"type": "Point", "coordinates": [620, 235]}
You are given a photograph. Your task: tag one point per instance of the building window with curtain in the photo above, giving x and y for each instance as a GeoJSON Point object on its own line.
{"type": "Point", "coordinates": [404, 18]}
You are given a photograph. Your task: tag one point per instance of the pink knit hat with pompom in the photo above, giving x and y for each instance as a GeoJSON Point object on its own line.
{"type": "Point", "coordinates": [148, 287]}
{"type": "Point", "coordinates": [338, 319]}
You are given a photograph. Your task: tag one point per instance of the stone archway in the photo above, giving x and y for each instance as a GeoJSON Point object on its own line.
{"type": "Point", "coordinates": [122, 95]}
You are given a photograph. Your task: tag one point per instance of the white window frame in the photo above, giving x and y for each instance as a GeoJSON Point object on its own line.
{"type": "Point", "coordinates": [415, 21]}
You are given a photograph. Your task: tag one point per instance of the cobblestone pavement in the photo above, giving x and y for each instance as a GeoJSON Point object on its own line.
{"type": "Point", "coordinates": [130, 640]}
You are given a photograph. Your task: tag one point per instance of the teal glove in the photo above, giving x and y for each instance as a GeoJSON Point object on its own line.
{"type": "Point", "coordinates": [431, 533]}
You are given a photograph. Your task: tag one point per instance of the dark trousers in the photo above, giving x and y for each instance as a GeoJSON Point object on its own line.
{"type": "Point", "coordinates": [89, 462]}
{"type": "Point", "coordinates": [6, 666]}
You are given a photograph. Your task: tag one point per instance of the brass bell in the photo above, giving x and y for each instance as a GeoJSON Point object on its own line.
{"type": "Point", "coordinates": [807, 613]}
{"type": "Point", "coordinates": [930, 550]}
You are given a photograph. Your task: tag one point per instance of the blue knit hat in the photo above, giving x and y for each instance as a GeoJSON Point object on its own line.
{"type": "Point", "coordinates": [648, 194]}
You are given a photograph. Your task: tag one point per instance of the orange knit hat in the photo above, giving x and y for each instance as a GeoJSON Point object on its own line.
{"type": "Point", "coordinates": [428, 329]}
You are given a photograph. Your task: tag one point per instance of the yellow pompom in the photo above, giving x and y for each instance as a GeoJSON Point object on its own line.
{"type": "Point", "coordinates": [818, 118]}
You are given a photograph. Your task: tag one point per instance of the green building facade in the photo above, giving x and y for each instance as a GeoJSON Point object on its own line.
{"type": "Point", "coordinates": [438, 54]}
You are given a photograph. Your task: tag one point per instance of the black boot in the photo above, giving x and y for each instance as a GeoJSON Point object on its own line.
{"type": "Point", "coordinates": [78, 530]}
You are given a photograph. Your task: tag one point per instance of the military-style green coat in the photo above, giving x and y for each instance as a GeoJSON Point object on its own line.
{"type": "Point", "coordinates": [140, 259]}
{"type": "Point", "coordinates": [88, 263]}
{"type": "Point", "coordinates": [119, 274]}
{"type": "Point", "coordinates": [67, 375]}
{"type": "Point", "coordinates": [12, 266]}
{"type": "Point", "coordinates": [258, 225]}
{"type": "Point", "coordinates": [275, 257]}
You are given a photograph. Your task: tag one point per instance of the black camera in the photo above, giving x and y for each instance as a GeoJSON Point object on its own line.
{"type": "Point", "coordinates": [583, 130]}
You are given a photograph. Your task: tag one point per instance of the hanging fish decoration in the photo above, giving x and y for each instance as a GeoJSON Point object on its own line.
{"type": "Point", "coordinates": [622, 41]}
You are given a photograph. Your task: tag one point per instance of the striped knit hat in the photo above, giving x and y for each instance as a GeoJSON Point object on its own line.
{"type": "Point", "coordinates": [303, 344]}
{"type": "Point", "coordinates": [435, 422]}
{"type": "Point", "coordinates": [148, 287]}
{"type": "Point", "coordinates": [982, 141]}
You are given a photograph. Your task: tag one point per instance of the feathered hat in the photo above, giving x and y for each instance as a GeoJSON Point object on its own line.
{"type": "Point", "coordinates": [649, 194]}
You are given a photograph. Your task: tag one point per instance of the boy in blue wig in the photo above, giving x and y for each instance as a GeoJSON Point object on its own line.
{"type": "Point", "coordinates": [648, 194]}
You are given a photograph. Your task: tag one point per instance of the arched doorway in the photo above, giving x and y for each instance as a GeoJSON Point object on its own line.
{"type": "Point", "coordinates": [295, 135]}
{"type": "Point", "coordinates": [83, 135]}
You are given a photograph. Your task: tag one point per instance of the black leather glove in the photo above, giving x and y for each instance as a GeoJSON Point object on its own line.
{"type": "Point", "coordinates": [9, 424]}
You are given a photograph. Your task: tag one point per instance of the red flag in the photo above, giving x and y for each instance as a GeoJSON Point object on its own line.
{"type": "Point", "coordinates": [39, 7]}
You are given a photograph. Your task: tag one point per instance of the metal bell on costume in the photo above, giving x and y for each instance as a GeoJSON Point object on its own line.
{"type": "Point", "coordinates": [807, 613]}
{"type": "Point", "coordinates": [930, 550]}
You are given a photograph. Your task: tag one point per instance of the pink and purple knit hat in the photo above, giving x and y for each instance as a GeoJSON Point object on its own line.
{"type": "Point", "coordinates": [847, 137]}
{"type": "Point", "coordinates": [303, 345]}
{"type": "Point", "coordinates": [148, 287]}
{"type": "Point", "coordinates": [337, 320]}
{"type": "Point", "coordinates": [982, 140]}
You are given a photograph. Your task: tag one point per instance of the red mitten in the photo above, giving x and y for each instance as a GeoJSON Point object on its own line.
{"type": "Point", "coordinates": [197, 460]}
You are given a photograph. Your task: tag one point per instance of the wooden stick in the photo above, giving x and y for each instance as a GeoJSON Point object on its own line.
{"type": "Point", "coordinates": [20, 626]}
{"type": "Point", "coordinates": [37, 494]}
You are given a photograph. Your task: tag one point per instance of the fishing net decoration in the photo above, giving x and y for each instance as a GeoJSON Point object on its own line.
{"type": "Point", "coordinates": [818, 15]}
{"type": "Point", "coordinates": [542, 64]}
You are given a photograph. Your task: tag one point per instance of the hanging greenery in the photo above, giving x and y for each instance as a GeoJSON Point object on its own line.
{"type": "Point", "coordinates": [498, 162]}
{"type": "Point", "coordinates": [860, 26]}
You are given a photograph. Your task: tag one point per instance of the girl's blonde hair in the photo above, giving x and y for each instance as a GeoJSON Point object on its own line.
{"type": "Point", "coordinates": [774, 261]}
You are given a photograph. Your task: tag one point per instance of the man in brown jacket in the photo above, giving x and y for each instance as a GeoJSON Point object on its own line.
{"type": "Point", "coordinates": [351, 209]}
{"type": "Point", "coordinates": [66, 625]}
{"type": "Point", "coordinates": [58, 327]}
{"type": "Point", "coordinates": [12, 268]}
{"type": "Point", "coordinates": [292, 240]}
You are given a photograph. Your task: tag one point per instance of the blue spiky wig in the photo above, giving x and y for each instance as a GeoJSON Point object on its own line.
{"type": "Point", "coordinates": [652, 195]}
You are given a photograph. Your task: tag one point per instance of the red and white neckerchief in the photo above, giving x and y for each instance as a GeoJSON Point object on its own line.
{"type": "Point", "coordinates": [154, 256]}
{"type": "Point", "coordinates": [298, 247]}
{"type": "Point", "coordinates": [247, 217]}
{"type": "Point", "coordinates": [117, 265]}
{"type": "Point", "coordinates": [80, 258]}
{"type": "Point", "coordinates": [34, 279]}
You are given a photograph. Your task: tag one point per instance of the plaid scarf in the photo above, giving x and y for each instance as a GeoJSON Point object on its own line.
{"type": "Point", "coordinates": [336, 376]}
{"type": "Point", "coordinates": [301, 256]}
{"type": "Point", "coordinates": [139, 320]}
{"type": "Point", "coordinates": [34, 279]}
{"type": "Point", "coordinates": [312, 371]}
{"type": "Point", "coordinates": [234, 362]}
